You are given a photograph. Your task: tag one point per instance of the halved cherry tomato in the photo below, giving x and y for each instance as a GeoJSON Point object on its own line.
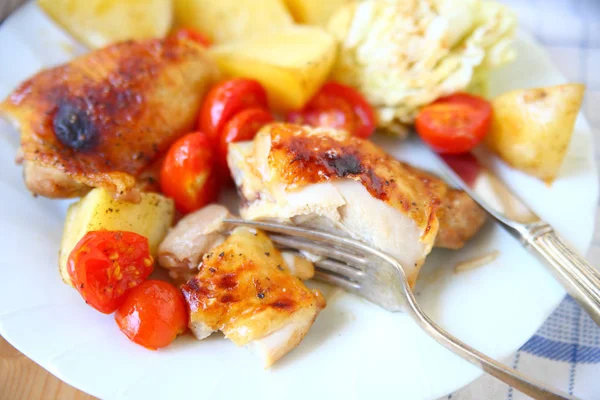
{"type": "Point", "coordinates": [105, 264]}
{"type": "Point", "coordinates": [465, 165]}
{"type": "Point", "coordinates": [454, 124]}
{"type": "Point", "coordinates": [153, 314]}
{"type": "Point", "coordinates": [338, 106]}
{"type": "Point", "coordinates": [189, 173]}
{"type": "Point", "coordinates": [194, 35]}
{"type": "Point", "coordinates": [243, 126]}
{"type": "Point", "coordinates": [226, 99]}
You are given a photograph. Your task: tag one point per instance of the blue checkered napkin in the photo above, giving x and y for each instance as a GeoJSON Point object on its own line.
{"type": "Point", "coordinates": [564, 353]}
{"type": "Point", "coordinates": [569, 335]}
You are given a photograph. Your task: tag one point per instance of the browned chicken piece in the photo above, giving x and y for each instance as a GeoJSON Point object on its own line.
{"type": "Point", "coordinates": [243, 289]}
{"type": "Point", "coordinates": [460, 218]}
{"type": "Point", "coordinates": [298, 265]}
{"type": "Point", "coordinates": [327, 179]}
{"type": "Point", "coordinates": [104, 118]}
{"type": "Point", "coordinates": [197, 233]}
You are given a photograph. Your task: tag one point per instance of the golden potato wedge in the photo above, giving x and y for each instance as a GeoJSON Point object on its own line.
{"type": "Point", "coordinates": [291, 65]}
{"type": "Point", "coordinates": [98, 23]}
{"type": "Point", "coordinates": [313, 12]}
{"type": "Point", "coordinates": [226, 20]}
{"type": "Point", "coordinates": [531, 128]}
{"type": "Point", "coordinates": [152, 218]}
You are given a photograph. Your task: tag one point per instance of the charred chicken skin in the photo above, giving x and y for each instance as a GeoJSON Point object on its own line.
{"type": "Point", "coordinates": [329, 180]}
{"type": "Point", "coordinates": [103, 119]}
{"type": "Point", "coordinates": [245, 289]}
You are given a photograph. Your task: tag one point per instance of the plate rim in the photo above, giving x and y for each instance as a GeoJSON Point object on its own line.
{"type": "Point", "coordinates": [522, 34]}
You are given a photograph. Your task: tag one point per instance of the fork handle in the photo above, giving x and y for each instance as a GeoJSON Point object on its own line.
{"type": "Point", "coordinates": [580, 279]}
{"type": "Point", "coordinates": [511, 377]}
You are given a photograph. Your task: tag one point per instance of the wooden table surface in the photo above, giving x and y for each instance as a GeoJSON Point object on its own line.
{"type": "Point", "coordinates": [22, 379]}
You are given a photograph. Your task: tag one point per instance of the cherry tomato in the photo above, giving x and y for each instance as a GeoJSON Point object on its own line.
{"type": "Point", "coordinates": [153, 314]}
{"type": "Point", "coordinates": [105, 264]}
{"type": "Point", "coordinates": [226, 99]}
{"type": "Point", "coordinates": [326, 112]}
{"type": "Point", "coordinates": [465, 165]}
{"type": "Point", "coordinates": [193, 35]}
{"type": "Point", "coordinates": [188, 174]}
{"type": "Point", "coordinates": [243, 126]}
{"type": "Point", "coordinates": [338, 106]}
{"type": "Point", "coordinates": [454, 124]}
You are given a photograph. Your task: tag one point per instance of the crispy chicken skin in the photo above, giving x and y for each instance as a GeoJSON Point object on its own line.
{"type": "Point", "coordinates": [104, 118]}
{"type": "Point", "coordinates": [244, 289]}
{"type": "Point", "coordinates": [327, 179]}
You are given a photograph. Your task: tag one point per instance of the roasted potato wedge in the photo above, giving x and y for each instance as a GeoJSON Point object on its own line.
{"type": "Point", "coordinates": [227, 20]}
{"type": "Point", "coordinates": [98, 23]}
{"type": "Point", "coordinates": [532, 128]}
{"type": "Point", "coordinates": [152, 218]}
{"type": "Point", "coordinates": [314, 12]}
{"type": "Point", "coordinates": [291, 65]}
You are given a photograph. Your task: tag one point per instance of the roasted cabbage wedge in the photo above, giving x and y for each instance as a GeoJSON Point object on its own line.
{"type": "Point", "coordinates": [227, 20]}
{"type": "Point", "coordinates": [98, 23]}
{"type": "Point", "coordinates": [291, 65]}
{"type": "Point", "coordinates": [152, 218]}
{"type": "Point", "coordinates": [532, 128]}
{"type": "Point", "coordinates": [403, 55]}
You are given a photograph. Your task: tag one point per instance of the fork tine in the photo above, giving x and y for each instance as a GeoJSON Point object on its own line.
{"type": "Point", "coordinates": [310, 234]}
{"type": "Point", "coordinates": [390, 289]}
{"type": "Point", "coordinates": [340, 269]}
{"type": "Point", "coordinates": [319, 249]}
{"type": "Point", "coordinates": [336, 280]}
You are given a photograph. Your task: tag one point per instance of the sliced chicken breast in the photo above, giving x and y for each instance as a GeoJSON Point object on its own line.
{"type": "Point", "coordinates": [326, 179]}
{"type": "Point", "coordinates": [245, 290]}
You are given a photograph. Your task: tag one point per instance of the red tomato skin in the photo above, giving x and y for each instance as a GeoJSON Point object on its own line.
{"type": "Point", "coordinates": [153, 314]}
{"type": "Point", "coordinates": [193, 35]}
{"type": "Point", "coordinates": [454, 124]}
{"type": "Point", "coordinates": [189, 174]}
{"type": "Point", "coordinates": [465, 165]}
{"type": "Point", "coordinates": [243, 126]}
{"type": "Point", "coordinates": [326, 111]}
{"type": "Point", "coordinates": [366, 122]}
{"type": "Point", "coordinates": [464, 98]}
{"type": "Point", "coordinates": [338, 106]}
{"type": "Point", "coordinates": [226, 99]}
{"type": "Point", "coordinates": [105, 264]}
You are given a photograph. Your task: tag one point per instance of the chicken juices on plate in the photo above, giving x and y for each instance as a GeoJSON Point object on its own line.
{"type": "Point", "coordinates": [245, 290]}
{"type": "Point", "coordinates": [105, 118]}
{"type": "Point", "coordinates": [326, 179]}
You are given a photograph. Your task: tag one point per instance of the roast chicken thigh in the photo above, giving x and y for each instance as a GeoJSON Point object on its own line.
{"type": "Point", "coordinates": [104, 119]}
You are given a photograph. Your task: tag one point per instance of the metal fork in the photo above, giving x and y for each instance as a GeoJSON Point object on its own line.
{"type": "Point", "coordinates": [378, 277]}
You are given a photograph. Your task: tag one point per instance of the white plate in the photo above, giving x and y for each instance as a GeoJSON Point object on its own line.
{"type": "Point", "coordinates": [355, 350]}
